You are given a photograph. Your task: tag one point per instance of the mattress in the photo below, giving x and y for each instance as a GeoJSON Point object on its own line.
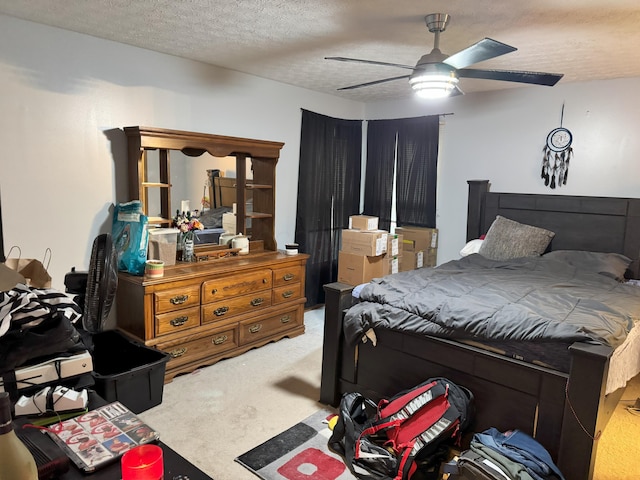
{"type": "Point", "coordinates": [599, 309]}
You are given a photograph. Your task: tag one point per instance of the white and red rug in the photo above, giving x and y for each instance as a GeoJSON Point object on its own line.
{"type": "Point", "coordinates": [299, 453]}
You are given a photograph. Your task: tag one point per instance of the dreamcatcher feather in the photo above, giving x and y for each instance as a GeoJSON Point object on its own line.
{"type": "Point", "coordinates": [555, 165]}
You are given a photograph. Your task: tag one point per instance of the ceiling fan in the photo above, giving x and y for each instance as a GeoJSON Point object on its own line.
{"type": "Point", "coordinates": [437, 75]}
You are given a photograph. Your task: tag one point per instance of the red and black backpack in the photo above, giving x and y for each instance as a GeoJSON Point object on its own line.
{"type": "Point", "coordinates": [404, 437]}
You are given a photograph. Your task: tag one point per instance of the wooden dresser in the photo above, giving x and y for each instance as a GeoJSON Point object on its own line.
{"type": "Point", "coordinates": [201, 313]}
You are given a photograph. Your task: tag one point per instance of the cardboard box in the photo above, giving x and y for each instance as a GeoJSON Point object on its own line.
{"type": "Point", "coordinates": [363, 222]}
{"type": "Point", "coordinates": [391, 265]}
{"type": "Point", "coordinates": [412, 260]}
{"type": "Point", "coordinates": [430, 257]}
{"type": "Point", "coordinates": [418, 238]}
{"type": "Point", "coordinates": [394, 245]}
{"type": "Point", "coordinates": [364, 242]}
{"type": "Point", "coordinates": [354, 269]}
{"type": "Point", "coordinates": [419, 259]}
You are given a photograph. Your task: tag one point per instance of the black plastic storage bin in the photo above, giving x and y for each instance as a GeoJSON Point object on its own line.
{"type": "Point", "coordinates": [127, 371]}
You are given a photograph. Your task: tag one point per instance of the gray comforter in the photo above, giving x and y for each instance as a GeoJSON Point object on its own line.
{"type": "Point", "coordinates": [528, 299]}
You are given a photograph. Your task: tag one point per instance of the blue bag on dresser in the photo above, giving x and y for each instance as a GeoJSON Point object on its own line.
{"type": "Point", "coordinates": [130, 237]}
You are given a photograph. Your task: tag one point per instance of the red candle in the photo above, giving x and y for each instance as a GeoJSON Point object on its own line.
{"type": "Point", "coordinates": [143, 463]}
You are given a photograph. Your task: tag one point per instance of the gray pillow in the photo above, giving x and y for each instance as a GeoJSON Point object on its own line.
{"type": "Point", "coordinates": [612, 265]}
{"type": "Point", "coordinates": [508, 239]}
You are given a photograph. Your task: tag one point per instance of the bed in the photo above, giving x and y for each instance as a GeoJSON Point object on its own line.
{"type": "Point", "coordinates": [565, 409]}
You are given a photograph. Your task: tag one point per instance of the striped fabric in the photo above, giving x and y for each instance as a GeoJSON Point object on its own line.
{"type": "Point", "coordinates": [24, 307]}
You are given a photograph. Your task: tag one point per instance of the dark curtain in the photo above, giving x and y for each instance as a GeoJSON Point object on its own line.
{"type": "Point", "coordinates": [417, 171]}
{"type": "Point", "coordinates": [378, 184]}
{"type": "Point", "coordinates": [328, 192]}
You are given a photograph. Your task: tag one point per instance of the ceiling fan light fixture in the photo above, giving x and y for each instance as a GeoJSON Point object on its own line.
{"type": "Point", "coordinates": [433, 85]}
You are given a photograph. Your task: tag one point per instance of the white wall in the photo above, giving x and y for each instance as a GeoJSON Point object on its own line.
{"type": "Point", "coordinates": [499, 136]}
{"type": "Point", "coordinates": [64, 98]}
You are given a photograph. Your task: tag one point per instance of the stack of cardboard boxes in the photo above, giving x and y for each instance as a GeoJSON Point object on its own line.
{"type": "Point", "coordinates": [420, 247]}
{"type": "Point", "coordinates": [367, 252]}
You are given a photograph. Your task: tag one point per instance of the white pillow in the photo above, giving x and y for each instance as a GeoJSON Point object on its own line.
{"type": "Point", "coordinates": [471, 247]}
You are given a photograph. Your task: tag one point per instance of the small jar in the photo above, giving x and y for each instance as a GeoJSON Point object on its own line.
{"type": "Point", "coordinates": [291, 248]}
{"type": "Point", "coordinates": [154, 268]}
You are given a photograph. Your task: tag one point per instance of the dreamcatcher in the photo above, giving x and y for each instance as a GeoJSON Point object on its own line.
{"type": "Point", "coordinates": [556, 155]}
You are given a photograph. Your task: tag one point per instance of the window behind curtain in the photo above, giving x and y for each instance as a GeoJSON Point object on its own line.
{"type": "Point", "coordinates": [328, 192]}
{"type": "Point", "coordinates": [411, 145]}
{"type": "Point", "coordinates": [381, 159]}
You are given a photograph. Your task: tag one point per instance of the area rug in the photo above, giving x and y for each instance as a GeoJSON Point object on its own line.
{"type": "Point", "coordinates": [299, 453]}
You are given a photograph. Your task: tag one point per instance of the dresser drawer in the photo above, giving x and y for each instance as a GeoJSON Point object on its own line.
{"type": "Point", "coordinates": [287, 293]}
{"type": "Point", "coordinates": [287, 275]}
{"type": "Point", "coordinates": [233, 285]}
{"type": "Point", "coordinates": [254, 330]}
{"type": "Point", "coordinates": [236, 306]}
{"type": "Point", "coordinates": [186, 351]}
{"type": "Point", "coordinates": [168, 300]}
{"type": "Point", "coordinates": [177, 321]}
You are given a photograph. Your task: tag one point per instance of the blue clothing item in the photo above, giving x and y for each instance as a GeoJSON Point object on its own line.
{"type": "Point", "coordinates": [522, 448]}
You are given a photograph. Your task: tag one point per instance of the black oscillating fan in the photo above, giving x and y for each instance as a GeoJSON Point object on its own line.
{"type": "Point", "coordinates": [102, 282]}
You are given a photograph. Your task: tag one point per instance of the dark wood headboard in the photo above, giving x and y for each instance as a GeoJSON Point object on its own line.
{"type": "Point", "coordinates": [597, 224]}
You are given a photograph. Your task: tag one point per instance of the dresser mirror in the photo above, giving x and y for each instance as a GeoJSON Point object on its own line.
{"type": "Point", "coordinates": [198, 183]}
{"type": "Point", "coordinates": [173, 170]}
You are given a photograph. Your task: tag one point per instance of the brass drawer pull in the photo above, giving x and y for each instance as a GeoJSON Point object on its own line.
{"type": "Point", "coordinates": [255, 328]}
{"type": "Point", "coordinates": [178, 322]}
{"type": "Point", "coordinates": [218, 312]}
{"type": "Point", "coordinates": [288, 276]}
{"type": "Point", "coordinates": [178, 352]}
{"type": "Point", "coordinates": [264, 280]}
{"type": "Point", "coordinates": [285, 319]}
{"type": "Point", "coordinates": [256, 302]}
{"type": "Point", "coordinates": [180, 299]}
{"type": "Point", "coordinates": [287, 294]}
{"type": "Point", "coordinates": [219, 340]}
{"type": "Point", "coordinates": [214, 291]}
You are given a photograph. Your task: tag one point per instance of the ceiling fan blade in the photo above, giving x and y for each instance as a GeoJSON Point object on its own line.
{"type": "Point", "coordinates": [537, 78]}
{"type": "Point", "coordinates": [371, 62]}
{"type": "Point", "coordinates": [485, 49]}
{"type": "Point", "coordinates": [375, 82]}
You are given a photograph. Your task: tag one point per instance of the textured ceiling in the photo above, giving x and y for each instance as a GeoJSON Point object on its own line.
{"type": "Point", "coordinates": [287, 40]}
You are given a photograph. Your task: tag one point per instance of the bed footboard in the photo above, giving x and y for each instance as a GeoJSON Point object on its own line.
{"type": "Point", "coordinates": [337, 299]}
{"type": "Point", "coordinates": [565, 412]}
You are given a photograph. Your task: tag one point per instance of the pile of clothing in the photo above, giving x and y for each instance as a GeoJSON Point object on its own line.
{"type": "Point", "coordinates": [35, 325]}
{"type": "Point", "coordinates": [511, 455]}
